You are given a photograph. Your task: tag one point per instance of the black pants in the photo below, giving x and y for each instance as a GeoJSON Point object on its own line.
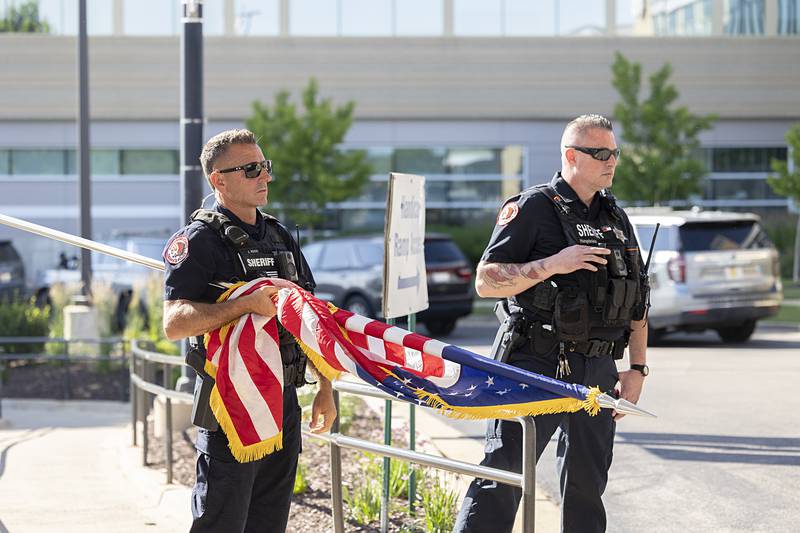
{"type": "Point", "coordinates": [230, 497]}
{"type": "Point", "coordinates": [584, 456]}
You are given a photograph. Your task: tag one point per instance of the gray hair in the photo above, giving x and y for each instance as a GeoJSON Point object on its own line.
{"type": "Point", "coordinates": [218, 145]}
{"type": "Point", "coordinates": [579, 125]}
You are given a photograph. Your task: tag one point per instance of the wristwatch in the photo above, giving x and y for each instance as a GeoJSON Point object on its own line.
{"type": "Point", "coordinates": [643, 369]}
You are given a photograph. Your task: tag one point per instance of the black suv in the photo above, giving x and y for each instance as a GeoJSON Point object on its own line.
{"type": "Point", "coordinates": [12, 272]}
{"type": "Point", "coordinates": [349, 273]}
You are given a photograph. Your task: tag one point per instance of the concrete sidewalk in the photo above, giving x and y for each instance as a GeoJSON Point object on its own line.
{"type": "Point", "coordinates": [70, 466]}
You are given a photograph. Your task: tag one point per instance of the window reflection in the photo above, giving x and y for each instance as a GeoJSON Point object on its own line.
{"type": "Point", "coordinates": [366, 17]}
{"type": "Point", "coordinates": [419, 17]}
{"type": "Point", "coordinates": [313, 17]}
{"type": "Point", "coordinates": [744, 17]}
{"type": "Point", "coordinates": [476, 17]}
{"type": "Point", "coordinates": [788, 17]}
{"type": "Point", "coordinates": [150, 17]}
{"type": "Point", "coordinates": [256, 17]}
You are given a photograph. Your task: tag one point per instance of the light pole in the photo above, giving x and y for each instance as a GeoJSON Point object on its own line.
{"type": "Point", "coordinates": [84, 169]}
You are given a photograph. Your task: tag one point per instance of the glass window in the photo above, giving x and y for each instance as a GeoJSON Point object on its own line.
{"type": "Point", "coordinates": [754, 189]}
{"type": "Point", "coordinates": [442, 251]}
{"type": "Point", "coordinates": [366, 17]}
{"type": "Point", "coordinates": [213, 17]}
{"type": "Point", "coordinates": [664, 240]}
{"type": "Point", "coordinates": [578, 17]}
{"type": "Point", "coordinates": [626, 14]}
{"type": "Point", "coordinates": [50, 162]}
{"type": "Point", "coordinates": [745, 159]}
{"type": "Point", "coordinates": [313, 17]}
{"type": "Point", "coordinates": [5, 162]}
{"type": "Point", "coordinates": [337, 256]}
{"type": "Point", "coordinates": [419, 17]}
{"type": "Point", "coordinates": [369, 253]}
{"type": "Point", "coordinates": [257, 17]}
{"type": "Point", "coordinates": [522, 17]}
{"type": "Point", "coordinates": [788, 17]}
{"type": "Point", "coordinates": [150, 17]}
{"type": "Point", "coordinates": [380, 159]}
{"type": "Point", "coordinates": [729, 235]}
{"type": "Point", "coordinates": [103, 162]}
{"type": "Point", "coordinates": [473, 161]}
{"type": "Point", "coordinates": [312, 253]}
{"type": "Point", "coordinates": [62, 16]}
{"type": "Point", "coordinates": [743, 17]}
{"type": "Point", "coordinates": [476, 17]}
{"type": "Point", "coordinates": [149, 162]}
{"type": "Point", "coordinates": [420, 160]}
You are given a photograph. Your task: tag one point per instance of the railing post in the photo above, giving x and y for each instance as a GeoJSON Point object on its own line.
{"type": "Point", "coordinates": [528, 474]}
{"type": "Point", "coordinates": [133, 393]}
{"type": "Point", "coordinates": [66, 370]}
{"type": "Point", "coordinates": [336, 474]}
{"type": "Point", "coordinates": [168, 425]}
{"type": "Point", "coordinates": [143, 396]}
{"type": "Point", "coordinates": [2, 376]}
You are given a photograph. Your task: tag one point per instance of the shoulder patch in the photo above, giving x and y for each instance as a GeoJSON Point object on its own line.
{"type": "Point", "coordinates": [177, 250]}
{"type": "Point", "coordinates": [507, 213]}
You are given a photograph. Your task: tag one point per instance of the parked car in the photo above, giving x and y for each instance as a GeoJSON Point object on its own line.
{"type": "Point", "coordinates": [349, 273]}
{"type": "Point", "coordinates": [12, 272]}
{"type": "Point", "coordinates": [710, 270]}
{"type": "Point", "coordinates": [119, 274]}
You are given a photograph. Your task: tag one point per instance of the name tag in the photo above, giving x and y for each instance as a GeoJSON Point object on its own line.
{"type": "Point", "coordinates": [258, 262]}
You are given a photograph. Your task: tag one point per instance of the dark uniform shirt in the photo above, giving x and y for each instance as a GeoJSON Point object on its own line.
{"type": "Point", "coordinates": [195, 258]}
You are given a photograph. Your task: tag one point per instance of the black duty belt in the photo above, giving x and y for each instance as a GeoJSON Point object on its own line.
{"type": "Point", "coordinates": [591, 348]}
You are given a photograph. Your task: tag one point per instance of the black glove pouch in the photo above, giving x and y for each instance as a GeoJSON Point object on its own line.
{"type": "Point", "coordinates": [571, 317]}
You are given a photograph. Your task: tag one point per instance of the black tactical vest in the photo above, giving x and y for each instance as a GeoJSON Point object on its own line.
{"type": "Point", "coordinates": [260, 259]}
{"type": "Point", "coordinates": [586, 305]}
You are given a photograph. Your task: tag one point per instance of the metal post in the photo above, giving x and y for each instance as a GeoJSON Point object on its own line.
{"type": "Point", "coordinates": [168, 425]}
{"type": "Point", "coordinates": [133, 392]}
{"type": "Point", "coordinates": [387, 462]}
{"type": "Point", "coordinates": [528, 474]}
{"type": "Point", "coordinates": [84, 169]}
{"type": "Point", "coordinates": [2, 375]}
{"type": "Point", "coordinates": [66, 370]}
{"type": "Point", "coordinates": [412, 434]}
{"type": "Point", "coordinates": [143, 396]}
{"type": "Point", "coordinates": [191, 130]}
{"type": "Point", "coordinates": [336, 475]}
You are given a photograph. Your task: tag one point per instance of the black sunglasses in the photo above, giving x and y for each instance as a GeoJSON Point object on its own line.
{"type": "Point", "coordinates": [601, 154]}
{"type": "Point", "coordinates": [251, 170]}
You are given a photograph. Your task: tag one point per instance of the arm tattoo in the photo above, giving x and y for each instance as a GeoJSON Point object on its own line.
{"type": "Point", "coordinates": [500, 275]}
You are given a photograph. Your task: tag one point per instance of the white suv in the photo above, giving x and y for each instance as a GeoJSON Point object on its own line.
{"type": "Point", "coordinates": [710, 270]}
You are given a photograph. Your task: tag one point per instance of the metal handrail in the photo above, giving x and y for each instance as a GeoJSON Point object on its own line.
{"type": "Point", "coordinates": [526, 481]}
{"type": "Point", "coordinates": [140, 385]}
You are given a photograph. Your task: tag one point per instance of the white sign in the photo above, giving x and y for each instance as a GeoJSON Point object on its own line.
{"type": "Point", "coordinates": [405, 282]}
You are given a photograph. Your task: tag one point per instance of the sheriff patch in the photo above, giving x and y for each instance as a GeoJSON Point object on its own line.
{"type": "Point", "coordinates": [177, 250]}
{"type": "Point", "coordinates": [507, 214]}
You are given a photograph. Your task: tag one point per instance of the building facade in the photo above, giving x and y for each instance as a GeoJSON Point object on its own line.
{"type": "Point", "coordinates": [473, 94]}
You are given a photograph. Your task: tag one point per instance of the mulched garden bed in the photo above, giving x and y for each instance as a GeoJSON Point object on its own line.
{"type": "Point", "coordinates": [76, 380]}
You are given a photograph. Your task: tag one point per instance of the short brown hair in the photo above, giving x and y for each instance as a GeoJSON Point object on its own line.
{"type": "Point", "coordinates": [583, 123]}
{"type": "Point", "coordinates": [218, 145]}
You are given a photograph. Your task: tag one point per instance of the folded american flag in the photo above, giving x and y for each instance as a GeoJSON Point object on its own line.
{"type": "Point", "coordinates": [244, 357]}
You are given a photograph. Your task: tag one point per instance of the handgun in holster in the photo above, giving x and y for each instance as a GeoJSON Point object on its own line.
{"type": "Point", "coordinates": [508, 333]}
{"type": "Point", "coordinates": [202, 416]}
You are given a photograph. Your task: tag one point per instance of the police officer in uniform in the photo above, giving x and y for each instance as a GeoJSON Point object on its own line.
{"type": "Point", "coordinates": [232, 242]}
{"type": "Point", "coordinates": [565, 257]}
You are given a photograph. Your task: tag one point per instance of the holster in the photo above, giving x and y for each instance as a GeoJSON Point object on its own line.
{"type": "Point", "coordinates": [202, 416]}
{"type": "Point", "coordinates": [508, 333]}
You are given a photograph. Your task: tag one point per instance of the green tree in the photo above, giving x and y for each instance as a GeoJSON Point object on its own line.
{"type": "Point", "coordinates": [310, 168]}
{"type": "Point", "coordinates": [786, 182]}
{"type": "Point", "coordinates": [23, 19]}
{"type": "Point", "coordinates": [659, 159]}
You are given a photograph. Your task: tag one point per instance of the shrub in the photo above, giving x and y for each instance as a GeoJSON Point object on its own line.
{"type": "Point", "coordinates": [22, 318]}
{"type": "Point", "coordinates": [781, 231]}
{"type": "Point", "coordinates": [472, 238]}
